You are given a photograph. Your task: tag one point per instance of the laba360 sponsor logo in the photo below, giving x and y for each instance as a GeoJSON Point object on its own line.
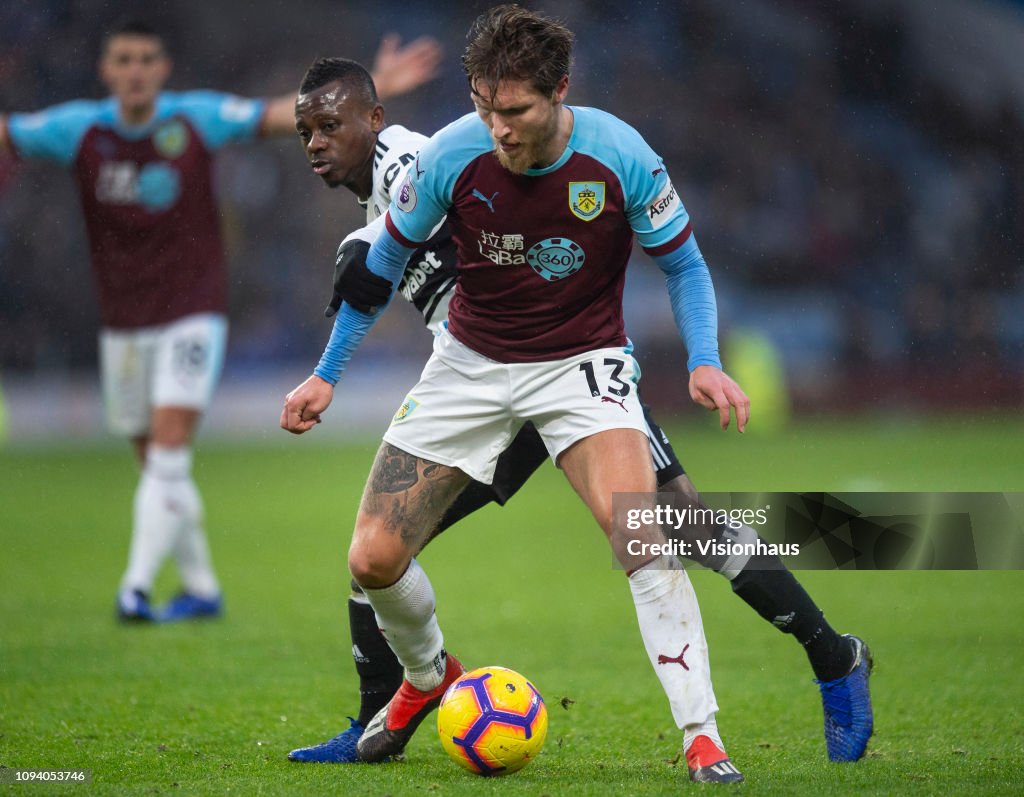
{"type": "Point", "coordinates": [502, 249]}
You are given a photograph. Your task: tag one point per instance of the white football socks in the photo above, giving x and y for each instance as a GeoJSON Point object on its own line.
{"type": "Point", "coordinates": [167, 518]}
{"type": "Point", "coordinates": [430, 675]}
{"type": "Point", "coordinates": [191, 552]}
{"type": "Point", "coordinates": [707, 728]}
{"type": "Point", "coordinates": [405, 615]}
{"type": "Point", "coordinates": [673, 634]}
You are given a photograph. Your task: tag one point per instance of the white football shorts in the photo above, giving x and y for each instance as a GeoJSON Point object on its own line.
{"type": "Point", "coordinates": [171, 365]}
{"type": "Point", "coordinates": [467, 408]}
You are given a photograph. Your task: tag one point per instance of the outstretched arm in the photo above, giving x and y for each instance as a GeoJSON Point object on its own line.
{"type": "Point", "coordinates": [396, 70]}
{"type": "Point", "coordinates": [279, 116]}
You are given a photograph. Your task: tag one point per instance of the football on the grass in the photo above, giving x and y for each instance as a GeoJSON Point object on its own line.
{"type": "Point", "coordinates": [492, 721]}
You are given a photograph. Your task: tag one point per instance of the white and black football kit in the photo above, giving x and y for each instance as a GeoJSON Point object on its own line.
{"type": "Point", "coordinates": [429, 277]}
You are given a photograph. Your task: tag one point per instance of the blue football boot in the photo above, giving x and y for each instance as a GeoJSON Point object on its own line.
{"type": "Point", "coordinates": [847, 705]}
{"type": "Point", "coordinates": [133, 607]}
{"type": "Point", "coordinates": [339, 750]}
{"type": "Point", "coordinates": [185, 606]}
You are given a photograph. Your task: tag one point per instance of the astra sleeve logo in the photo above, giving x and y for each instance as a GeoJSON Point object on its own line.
{"type": "Point", "coordinates": [663, 206]}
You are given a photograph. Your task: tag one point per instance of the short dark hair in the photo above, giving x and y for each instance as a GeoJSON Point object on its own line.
{"type": "Point", "coordinates": [326, 70]}
{"type": "Point", "coordinates": [132, 27]}
{"type": "Point", "coordinates": [511, 43]}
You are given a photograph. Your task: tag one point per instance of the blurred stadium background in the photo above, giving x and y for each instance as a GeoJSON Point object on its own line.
{"type": "Point", "coordinates": [855, 172]}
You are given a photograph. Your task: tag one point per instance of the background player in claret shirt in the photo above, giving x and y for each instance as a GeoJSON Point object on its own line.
{"type": "Point", "coordinates": [341, 124]}
{"type": "Point", "coordinates": [142, 159]}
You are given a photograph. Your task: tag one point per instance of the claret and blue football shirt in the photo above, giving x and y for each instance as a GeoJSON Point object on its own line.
{"type": "Point", "coordinates": [542, 256]}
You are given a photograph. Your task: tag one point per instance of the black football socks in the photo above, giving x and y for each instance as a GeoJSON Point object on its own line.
{"type": "Point", "coordinates": [764, 583]}
{"type": "Point", "coordinates": [380, 672]}
{"type": "Point", "coordinates": [777, 596]}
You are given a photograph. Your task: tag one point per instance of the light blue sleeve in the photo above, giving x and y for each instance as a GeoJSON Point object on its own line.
{"type": "Point", "coordinates": [386, 258]}
{"type": "Point", "coordinates": [693, 302]}
{"type": "Point", "coordinates": [661, 224]}
{"type": "Point", "coordinates": [422, 200]}
{"type": "Point", "coordinates": [54, 133]}
{"type": "Point", "coordinates": [220, 118]}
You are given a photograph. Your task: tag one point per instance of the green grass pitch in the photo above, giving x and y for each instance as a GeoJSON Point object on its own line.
{"type": "Point", "coordinates": [214, 708]}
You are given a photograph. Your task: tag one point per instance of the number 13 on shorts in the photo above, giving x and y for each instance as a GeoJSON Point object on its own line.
{"type": "Point", "coordinates": [606, 377]}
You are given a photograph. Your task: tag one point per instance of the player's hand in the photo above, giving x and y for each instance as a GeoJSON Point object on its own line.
{"type": "Point", "coordinates": [713, 389]}
{"type": "Point", "coordinates": [397, 70]}
{"type": "Point", "coordinates": [302, 407]}
{"type": "Point", "coordinates": [355, 283]}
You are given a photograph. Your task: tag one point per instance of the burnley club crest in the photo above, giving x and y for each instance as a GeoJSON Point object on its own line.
{"type": "Point", "coordinates": [586, 200]}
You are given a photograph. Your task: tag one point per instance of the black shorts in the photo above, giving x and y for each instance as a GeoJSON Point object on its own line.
{"type": "Point", "coordinates": [527, 453]}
